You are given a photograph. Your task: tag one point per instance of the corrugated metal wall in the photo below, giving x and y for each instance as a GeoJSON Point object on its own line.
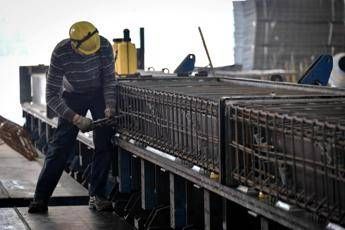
{"type": "Point", "coordinates": [287, 34]}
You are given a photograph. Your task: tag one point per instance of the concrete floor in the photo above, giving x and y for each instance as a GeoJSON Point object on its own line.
{"type": "Point", "coordinates": [18, 178]}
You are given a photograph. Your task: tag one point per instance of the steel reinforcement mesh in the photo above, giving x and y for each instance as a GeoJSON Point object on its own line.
{"type": "Point", "coordinates": [183, 126]}
{"type": "Point", "coordinates": [292, 150]}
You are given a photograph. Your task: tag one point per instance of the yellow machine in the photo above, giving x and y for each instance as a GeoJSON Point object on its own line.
{"type": "Point", "coordinates": [125, 55]}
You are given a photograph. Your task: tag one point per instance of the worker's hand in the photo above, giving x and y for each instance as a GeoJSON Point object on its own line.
{"type": "Point", "coordinates": [109, 112]}
{"type": "Point", "coordinates": [83, 123]}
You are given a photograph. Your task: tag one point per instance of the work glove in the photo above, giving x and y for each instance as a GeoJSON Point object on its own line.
{"type": "Point", "coordinates": [83, 123]}
{"type": "Point", "coordinates": [109, 112]}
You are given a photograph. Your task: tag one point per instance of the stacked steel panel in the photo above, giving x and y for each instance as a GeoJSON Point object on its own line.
{"type": "Point", "coordinates": [287, 34]}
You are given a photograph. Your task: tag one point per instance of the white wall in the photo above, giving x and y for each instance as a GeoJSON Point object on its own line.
{"type": "Point", "coordinates": [29, 30]}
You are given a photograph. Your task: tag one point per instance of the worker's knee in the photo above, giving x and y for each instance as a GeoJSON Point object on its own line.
{"type": "Point", "coordinates": [58, 151]}
{"type": "Point", "coordinates": [102, 139]}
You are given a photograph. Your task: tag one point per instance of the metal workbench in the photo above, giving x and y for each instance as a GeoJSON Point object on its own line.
{"type": "Point", "coordinates": [161, 166]}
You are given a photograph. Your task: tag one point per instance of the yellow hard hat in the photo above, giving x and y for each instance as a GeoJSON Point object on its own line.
{"type": "Point", "coordinates": [84, 37]}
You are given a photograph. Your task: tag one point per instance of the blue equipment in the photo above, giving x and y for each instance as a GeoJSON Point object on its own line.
{"type": "Point", "coordinates": [319, 72]}
{"type": "Point", "coordinates": [186, 67]}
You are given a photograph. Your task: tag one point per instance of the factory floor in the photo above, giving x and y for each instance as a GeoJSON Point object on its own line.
{"type": "Point", "coordinates": [68, 206]}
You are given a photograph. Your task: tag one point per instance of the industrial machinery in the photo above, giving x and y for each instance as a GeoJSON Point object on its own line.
{"type": "Point", "coordinates": [210, 153]}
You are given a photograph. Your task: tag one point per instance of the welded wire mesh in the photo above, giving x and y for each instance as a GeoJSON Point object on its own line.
{"type": "Point", "coordinates": [293, 150]}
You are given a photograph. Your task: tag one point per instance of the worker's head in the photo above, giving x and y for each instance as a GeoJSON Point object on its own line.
{"type": "Point", "coordinates": [84, 38]}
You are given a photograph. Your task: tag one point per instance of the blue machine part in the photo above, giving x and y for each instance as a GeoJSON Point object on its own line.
{"type": "Point", "coordinates": [187, 66]}
{"type": "Point", "coordinates": [319, 72]}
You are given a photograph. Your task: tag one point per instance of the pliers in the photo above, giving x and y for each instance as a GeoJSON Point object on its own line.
{"type": "Point", "coordinates": [112, 121]}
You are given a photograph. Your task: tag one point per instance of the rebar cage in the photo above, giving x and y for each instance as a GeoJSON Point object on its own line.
{"type": "Point", "coordinates": [184, 126]}
{"type": "Point", "coordinates": [292, 149]}
{"type": "Point", "coordinates": [180, 116]}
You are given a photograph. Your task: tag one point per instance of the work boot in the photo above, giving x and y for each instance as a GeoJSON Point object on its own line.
{"type": "Point", "coordinates": [100, 204]}
{"type": "Point", "coordinates": [38, 206]}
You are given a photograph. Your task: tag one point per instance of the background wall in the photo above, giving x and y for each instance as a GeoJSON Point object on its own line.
{"type": "Point", "coordinates": [281, 34]}
{"type": "Point", "coordinates": [29, 31]}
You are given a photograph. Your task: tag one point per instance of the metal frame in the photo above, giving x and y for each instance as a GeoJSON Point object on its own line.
{"type": "Point", "coordinates": [300, 220]}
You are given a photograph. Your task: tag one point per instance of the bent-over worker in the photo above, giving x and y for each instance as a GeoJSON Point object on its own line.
{"type": "Point", "coordinates": [80, 78]}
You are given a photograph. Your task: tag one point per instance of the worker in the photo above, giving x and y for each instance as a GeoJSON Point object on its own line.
{"type": "Point", "coordinates": [80, 79]}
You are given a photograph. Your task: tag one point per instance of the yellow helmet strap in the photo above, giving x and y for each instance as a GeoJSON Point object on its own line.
{"type": "Point", "coordinates": [84, 39]}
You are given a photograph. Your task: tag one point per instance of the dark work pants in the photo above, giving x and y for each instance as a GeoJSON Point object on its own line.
{"type": "Point", "coordinates": [64, 141]}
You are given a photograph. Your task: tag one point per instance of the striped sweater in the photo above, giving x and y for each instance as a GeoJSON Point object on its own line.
{"type": "Point", "coordinates": [72, 72]}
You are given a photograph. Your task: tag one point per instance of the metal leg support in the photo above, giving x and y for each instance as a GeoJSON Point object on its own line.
{"type": "Point", "coordinates": [148, 190]}
{"type": "Point", "coordinates": [135, 173]}
{"type": "Point", "coordinates": [178, 202]}
{"type": "Point", "coordinates": [124, 160]}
